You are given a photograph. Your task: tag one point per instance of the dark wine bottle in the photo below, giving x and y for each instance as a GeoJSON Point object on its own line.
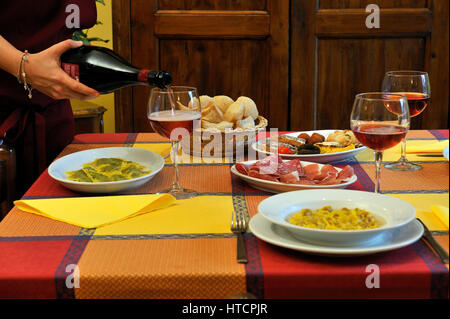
{"type": "Point", "coordinates": [103, 70]}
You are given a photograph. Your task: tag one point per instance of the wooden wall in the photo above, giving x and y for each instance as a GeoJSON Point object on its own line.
{"type": "Point", "coordinates": [302, 61]}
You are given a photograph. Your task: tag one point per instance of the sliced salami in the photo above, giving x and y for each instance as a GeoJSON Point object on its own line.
{"type": "Point", "coordinates": [311, 171]}
{"type": "Point", "coordinates": [273, 168]}
{"type": "Point", "coordinates": [267, 177]}
{"type": "Point", "coordinates": [346, 173]}
{"type": "Point", "coordinates": [290, 178]}
{"type": "Point", "coordinates": [241, 168]}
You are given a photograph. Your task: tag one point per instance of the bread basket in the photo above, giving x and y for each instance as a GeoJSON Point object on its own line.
{"type": "Point", "coordinates": [214, 143]}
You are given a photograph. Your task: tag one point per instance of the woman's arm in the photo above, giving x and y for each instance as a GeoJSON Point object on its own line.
{"type": "Point", "coordinates": [9, 57]}
{"type": "Point", "coordinates": [43, 70]}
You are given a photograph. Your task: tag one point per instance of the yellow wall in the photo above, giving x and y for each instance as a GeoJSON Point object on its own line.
{"type": "Point", "coordinates": [103, 31]}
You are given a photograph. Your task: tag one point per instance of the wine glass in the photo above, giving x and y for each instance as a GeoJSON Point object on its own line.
{"type": "Point", "coordinates": [174, 113]}
{"type": "Point", "coordinates": [379, 121]}
{"type": "Point", "coordinates": [415, 85]}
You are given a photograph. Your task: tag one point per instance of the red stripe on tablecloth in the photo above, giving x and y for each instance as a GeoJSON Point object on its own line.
{"type": "Point", "coordinates": [289, 273]}
{"type": "Point", "coordinates": [440, 134]}
{"type": "Point", "coordinates": [100, 138]}
{"type": "Point", "coordinates": [48, 187]}
{"type": "Point", "coordinates": [27, 268]}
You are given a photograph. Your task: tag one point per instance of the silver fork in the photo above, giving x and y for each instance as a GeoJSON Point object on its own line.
{"type": "Point", "coordinates": [239, 226]}
{"type": "Point", "coordinates": [430, 239]}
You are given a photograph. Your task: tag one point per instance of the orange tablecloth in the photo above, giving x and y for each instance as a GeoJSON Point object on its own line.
{"type": "Point", "coordinates": [130, 259]}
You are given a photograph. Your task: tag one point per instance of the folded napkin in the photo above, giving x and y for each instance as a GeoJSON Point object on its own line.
{"type": "Point", "coordinates": [434, 147]}
{"type": "Point", "coordinates": [162, 149]}
{"type": "Point", "coordinates": [441, 212]}
{"type": "Point", "coordinates": [94, 212]}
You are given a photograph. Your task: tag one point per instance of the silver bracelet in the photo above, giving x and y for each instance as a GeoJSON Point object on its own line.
{"type": "Point", "coordinates": [22, 77]}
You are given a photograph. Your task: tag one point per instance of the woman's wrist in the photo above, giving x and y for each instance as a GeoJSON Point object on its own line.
{"type": "Point", "coordinates": [12, 64]}
{"type": "Point", "coordinates": [10, 57]}
{"type": "Point", "coordinates": [15, 64]}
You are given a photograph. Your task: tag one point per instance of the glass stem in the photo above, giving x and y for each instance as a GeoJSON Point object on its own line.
{"type": "Point", "coordinates": [175, 184]}
{"type": "Point", "coordinates": [403, 154]}
{"type": "Point", "coordinates": [378, 160]}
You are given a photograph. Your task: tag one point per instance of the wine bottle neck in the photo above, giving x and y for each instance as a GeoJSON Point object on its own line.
{"type": "Point", "coordinates": [161, 79]}
{"type": "Point", "coordinates": [143, 75]}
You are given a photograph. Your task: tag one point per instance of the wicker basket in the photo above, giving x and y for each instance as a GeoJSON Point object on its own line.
{"type": "Point", "coordinates": [219, 143]}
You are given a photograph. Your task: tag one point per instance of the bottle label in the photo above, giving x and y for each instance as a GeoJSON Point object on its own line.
{"type": "Point", "coordinates": [72, 70]}
{"type": "Point", "coordinates": [143, 75]}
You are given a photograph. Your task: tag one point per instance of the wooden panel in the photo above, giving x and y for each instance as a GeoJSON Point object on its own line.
{"type": "Point", "coordinates": [359, 67]}
{"type": "Point", "coordinates": [232, 52]}
{"type": "Point", "coordinates": [239, 24]}
{"type": "Point", "coordinates": [278, 74]}
{"type": "Point", "coordinates": [353, 4]}
{"type": "Point", "coordinates": [146, 55]}
{"type": "Point", "coordinates": [242, 70]}
{"type": "Point", "coordinates": [334, 57]}
{"type": "Point", "coordinates": [436, 64]}
{"type": "Point", "coordinates": [122, 45]}
{"type": "Point", "coordinates": [393, 22]}
{"type": "Point", "coordinates": [303, 66]}
{"type": "Point", "coordinates": [212, 5]}
{"type": "Point", "coordinates": [301, 60]}
{"type": "Point", "coordinates": [232, 67]}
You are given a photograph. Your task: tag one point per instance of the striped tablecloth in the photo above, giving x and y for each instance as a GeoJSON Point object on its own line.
{"type": "Point", "coordinates": [192, 253]}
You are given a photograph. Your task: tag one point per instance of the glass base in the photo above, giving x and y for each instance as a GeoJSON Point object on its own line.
{"type": "Point", "coordinates": [180, 192]}
{"type": "Point", "coordinates": [403, 166]}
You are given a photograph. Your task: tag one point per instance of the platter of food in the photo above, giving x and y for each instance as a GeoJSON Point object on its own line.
{"type": "Point", "coordinates": [106, 170]}
{"type": "Point", "coordinates": [275, 175]}
{"type": "Point", "coordinates": [321, 146]}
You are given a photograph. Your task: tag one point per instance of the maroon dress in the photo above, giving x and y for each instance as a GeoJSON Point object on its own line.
{"type": "Point", "coordinates": [39, 128]}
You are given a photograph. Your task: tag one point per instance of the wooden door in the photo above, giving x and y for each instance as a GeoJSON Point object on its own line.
{"type": "Point", "coordinates": [302, 61]}
{"type": "Point", "coordinates": [224, 47]}
{"type": "Point", "coordinates": [335, 56]}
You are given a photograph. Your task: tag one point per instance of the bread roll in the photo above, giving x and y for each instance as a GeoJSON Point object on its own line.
{"type": "Point", "coordinates": [235, 112]}
{"type": "Point", "coordinates": [223, 102]}
{"type": "Point", "coordinates": [248, 122]}
{"type": "Point", "coordinates": [344, 138]}
{"type": "Point", "coordinates": [204, 100]}
{"type": "Point", "coordinates": [212, 113]}
{"type": "Point", "coordinates": [219, 126]}
{"type": "Point", "coordinates": [250, 108]}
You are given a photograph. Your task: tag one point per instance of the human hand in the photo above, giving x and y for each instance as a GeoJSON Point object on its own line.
{"type": "Point", "coordinates": [44, 73]}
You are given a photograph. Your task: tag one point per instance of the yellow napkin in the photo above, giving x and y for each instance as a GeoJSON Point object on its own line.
{"type": "Point", "coordinates": [434, 147]}
{"type": "Point", "coordinates": [441, 212]}
{"type": "Point", "coordinates": [93, 212]}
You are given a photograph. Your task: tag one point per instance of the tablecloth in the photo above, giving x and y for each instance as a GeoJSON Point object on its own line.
{"type": "Point", "coordinates": [145, 258]}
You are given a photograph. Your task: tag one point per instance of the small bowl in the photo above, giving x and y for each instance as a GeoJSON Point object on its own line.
{"type": "Point", "coordinates": [389, 211]}
{"type": "Point", "coordinates": [151, 160]}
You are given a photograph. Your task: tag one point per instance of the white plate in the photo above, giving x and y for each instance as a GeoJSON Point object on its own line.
{"type": "Point", "coordinates": [151, 160]}
{"type": "Point", "coordinates": [275, 187]}
{"type": "Point", "coordinates": [393, 212]}
{"type": "Point", "coordinates": [317, 158]}
{"type": "Point", "coordinates": [446, 153]}
{"type": "Point", "coordinates": [279, 236]}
